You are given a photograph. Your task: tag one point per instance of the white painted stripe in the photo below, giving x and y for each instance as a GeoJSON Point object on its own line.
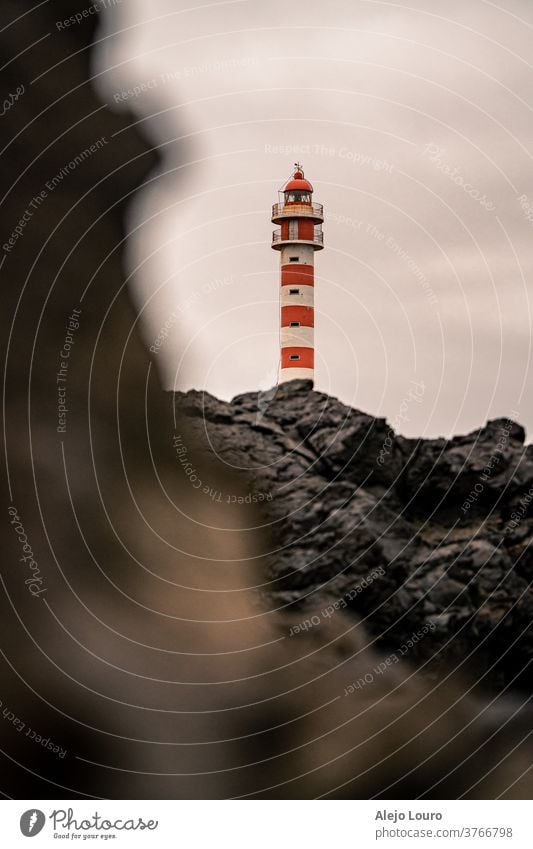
{"type": "Point", "coordinates": [305, 254]}
{"type": "Point", "coordinates": [305, 298]}
{"type": "Point", "coordinates": [296, 374]}
{"type": "Point", "coordinates": [297, 337]}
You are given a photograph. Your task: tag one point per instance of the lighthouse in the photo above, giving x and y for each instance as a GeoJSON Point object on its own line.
{"type": "Point", "coordinates": [297, 239]}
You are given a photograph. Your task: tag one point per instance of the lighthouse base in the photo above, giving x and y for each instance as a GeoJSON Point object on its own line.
{"type": "Point", "coordinates": [287, 374]}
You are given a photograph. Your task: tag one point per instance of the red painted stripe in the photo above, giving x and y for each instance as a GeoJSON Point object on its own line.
{"type": "Point", "coordinates": [306, 229]}
{"type": "Point", "coordinates": [307, 358]}
{"type": "Point", "coordinates": [305, 315]}
{"type": "Point", "coordinates": [297, 275]}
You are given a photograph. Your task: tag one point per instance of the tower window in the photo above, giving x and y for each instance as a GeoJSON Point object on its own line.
{"type": "Point", "coordinates": [294, 259]}
{"type": "Point", "coordinates": [295, 323]}
{"type": "Point", "coordinates": [293, 229]}
{"type": "Point", "coordinates": [297, 197]}
{"type": "Point", "coordinates": [294, 291]}
{"type": "Point", "coordinates": [294, 356]}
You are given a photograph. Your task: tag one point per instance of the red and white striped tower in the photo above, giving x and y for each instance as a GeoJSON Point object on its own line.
{"type": "Point", "coordinates": [299, 236]}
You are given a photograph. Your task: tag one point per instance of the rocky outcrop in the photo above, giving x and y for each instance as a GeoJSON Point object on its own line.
{"type": "Point", "coordinates": [405, 534]}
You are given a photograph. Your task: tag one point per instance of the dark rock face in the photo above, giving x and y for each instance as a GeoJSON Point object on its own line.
{"type": "Point", "coordinates": [448, 524]}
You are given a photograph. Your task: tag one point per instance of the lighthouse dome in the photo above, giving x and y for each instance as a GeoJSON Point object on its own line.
{"type": "Point", "coordinates": [298, 183]}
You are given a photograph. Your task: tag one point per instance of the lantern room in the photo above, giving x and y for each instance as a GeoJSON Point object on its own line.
{"type": "Point", "coordinates": [300, 218]}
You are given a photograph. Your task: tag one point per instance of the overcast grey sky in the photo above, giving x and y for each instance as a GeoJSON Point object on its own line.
{"type": "Point", "coordinates": [414, 122]}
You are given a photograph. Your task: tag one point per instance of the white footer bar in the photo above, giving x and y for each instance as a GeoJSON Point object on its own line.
{"type": "Point", "coordinates": [267, 824]}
